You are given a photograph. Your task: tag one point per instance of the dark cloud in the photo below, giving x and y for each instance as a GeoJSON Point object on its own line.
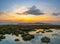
{"type": "Point", "coordinates": [33, 10]}
{"type": "Point", "coordinates": [56, 13]}
{"type": "Point", "coordinates": [1, 13]}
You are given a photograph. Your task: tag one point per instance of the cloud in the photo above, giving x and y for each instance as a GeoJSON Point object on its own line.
{"type": "Point", "coordinates": [28, 18]}
{"type": "Point", "coordinates": [19, 9]}
{"type": "Point", "coordinates": [57, 13]}
{"type": "Point", "coordinates": [1, 13]}
{"type": "Point", "coordinates": [33, 10]}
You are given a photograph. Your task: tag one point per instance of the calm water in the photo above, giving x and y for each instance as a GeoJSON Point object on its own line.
{"type": "Point", "coordinates": [55, 38]}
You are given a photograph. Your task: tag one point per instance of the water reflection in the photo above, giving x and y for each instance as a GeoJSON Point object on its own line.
{"type": "Point", "coordinates": [55, 38]}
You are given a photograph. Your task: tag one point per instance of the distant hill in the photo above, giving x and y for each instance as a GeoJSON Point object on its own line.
{"type": "Point", "coordinates": [23, 23]}
{"type": "Point", "coordinates": [35, 23]}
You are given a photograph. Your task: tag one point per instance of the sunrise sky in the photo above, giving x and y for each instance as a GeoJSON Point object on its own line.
{"type": "Point", "coordinates": [14, 11]}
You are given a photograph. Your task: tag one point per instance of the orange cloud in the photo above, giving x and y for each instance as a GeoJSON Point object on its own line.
{"type": "Point", "coordinates": [28, 18]}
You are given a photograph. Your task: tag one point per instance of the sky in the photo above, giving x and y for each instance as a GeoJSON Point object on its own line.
{"type": "Point", "coordinates": [14, 11]}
